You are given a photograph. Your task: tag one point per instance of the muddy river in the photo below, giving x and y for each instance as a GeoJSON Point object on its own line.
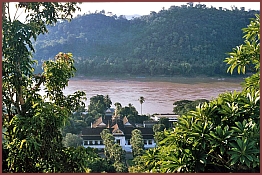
{"type": "Point", "coordinates": [159, 93]}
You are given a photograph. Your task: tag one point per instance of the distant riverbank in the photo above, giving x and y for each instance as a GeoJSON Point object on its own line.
{"type": "Point", "coordinates": [175, 79]}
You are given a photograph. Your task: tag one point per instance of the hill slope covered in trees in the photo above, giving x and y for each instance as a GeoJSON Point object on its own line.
{"type": "Point", "coordinates": [186, 40]}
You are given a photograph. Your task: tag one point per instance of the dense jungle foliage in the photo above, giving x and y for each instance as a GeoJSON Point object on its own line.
{"type": "Point", "coordinates": [186, 40]}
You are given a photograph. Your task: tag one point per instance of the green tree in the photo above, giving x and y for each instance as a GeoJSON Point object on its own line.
{"type": "Point", "coordinates": [130, 112]}
{"type": "Point", "coordinates": [147, 163]}
{"type": "Point", "coordinates": [184, 106]}
{"type": "Point", "coordinates": [158, 130]}
{"type": "Point", "coordinates": [79, 125]}
{"type": "Point", "coordinates": [141, 101]}
{"type": "Point", "coordinates": [107, 101]}
{"type": "Point", "coordinates": [165, 122]}
{"type": "Point", "coordinates": [137, 143]}
{"type": "Point", "coordinates": [113, 151]}
{"type": "Point", "coordinates": [76, 157]}
{"type": "Point", "coordinates": [118, 108]}
{"type": "Point", "coordinates": [108, 141]}
{"type": "Point", "coordinates": [33, 123]}
{"type": "Point", "coordinates": [72, 140]}
{"type": "Point", "coordinates": [98, 105]}
{"type": "Point", "coordinates": [140, 118]}
{"type": "Point", "coordinates": [74, 126]}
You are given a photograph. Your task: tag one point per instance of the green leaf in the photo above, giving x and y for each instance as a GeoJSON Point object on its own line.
{"type": "Point", "coordinates": [234, 161]}
{"type": "Point", "coordinates": [240, 144]}
{"type": "Point", "coordinates": [222, 149]}
{"type": "Point", "coordinates": [249, 157]}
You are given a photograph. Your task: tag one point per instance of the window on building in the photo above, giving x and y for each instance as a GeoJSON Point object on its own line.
{"type": "Point", "coordinates": [118, 141]}
{"type": "Point", "coordinates": [85, 142]}
{"type": "Point", "coordinates": [90, 142]}
{"type": "Point", "coordinates": [150, 142]}
{"type": "Point", "coordinates": [128, 142]}
{"type": "Point", "coordinates": [145, 142]}
{"type": "Point", "coordinates": [101, 142]}
{"type": "Point", "coordinates": [96, 142]}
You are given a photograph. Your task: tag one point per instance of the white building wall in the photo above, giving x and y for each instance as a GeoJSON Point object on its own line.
{"type": "Point", "coordinates": [128, 148]}
{"type": "Point", "coordinates": [93, 145]}
{"type": "Point", "coordinates": [148, 145]}
{"type": "Point", "coordinates": [123, 144]}
{"type": "Point", "coordinates": [122, 140]}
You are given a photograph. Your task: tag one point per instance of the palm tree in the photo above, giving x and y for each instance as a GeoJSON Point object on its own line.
{"type": "Point", "coordinates": [141, 100]}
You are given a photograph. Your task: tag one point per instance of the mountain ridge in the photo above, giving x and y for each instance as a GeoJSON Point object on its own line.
{"type": "Point", "coordinates": [182, 40]}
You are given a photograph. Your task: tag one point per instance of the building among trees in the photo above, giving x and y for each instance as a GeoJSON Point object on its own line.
{"type": "Point", "coordinates": [120, 128]}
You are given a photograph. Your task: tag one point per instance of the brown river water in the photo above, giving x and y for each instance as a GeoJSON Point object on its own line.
{"type": "Point", "coordinates": [159, 93]}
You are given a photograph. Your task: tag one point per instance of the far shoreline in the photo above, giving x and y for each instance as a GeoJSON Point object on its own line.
{"type": "Point", "coordinates": [175, 79]}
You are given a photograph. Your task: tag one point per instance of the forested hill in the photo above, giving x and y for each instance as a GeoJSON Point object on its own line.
{"type": "Point", "coordinates": [185, 40]}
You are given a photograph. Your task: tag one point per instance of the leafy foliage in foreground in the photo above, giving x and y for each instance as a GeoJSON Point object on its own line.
{"type": "Point", "coordinates": [32, 123]}
{"type": "Point", "coordinates": [219, 136]}
{"type": "Point", "coordinates": [184, 106]}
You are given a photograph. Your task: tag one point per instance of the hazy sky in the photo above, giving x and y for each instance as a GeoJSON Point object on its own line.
{"type": "Point", "coordinates": [144, 8]}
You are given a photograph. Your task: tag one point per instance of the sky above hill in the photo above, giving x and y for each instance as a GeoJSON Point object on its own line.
{"type": "Point", "coordinates": [144, 8]}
